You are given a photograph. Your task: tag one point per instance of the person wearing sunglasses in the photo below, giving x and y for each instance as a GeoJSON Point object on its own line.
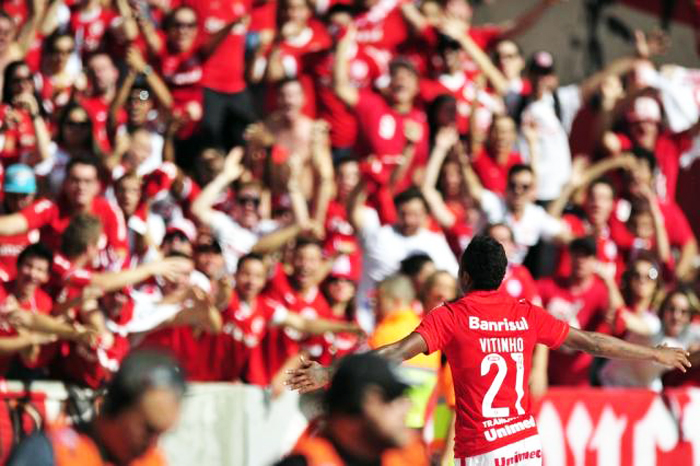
{"type": "Point", "coordinates": [60, 71]}
{"type": "Point", "coordinates": [673, 327]}
{"type": "Point", "coordinates": [238, 230]}
{"type": "Point", "coordinates": [74, 137]}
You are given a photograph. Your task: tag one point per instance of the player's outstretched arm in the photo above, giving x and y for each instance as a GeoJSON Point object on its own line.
{"type": "Point", "coordinates": [605, 346]}
{"type": "Point", "coordinates": [310, 375]}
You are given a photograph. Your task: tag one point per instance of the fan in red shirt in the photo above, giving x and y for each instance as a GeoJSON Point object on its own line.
{"type": "Point", "coordinates": [517, 282]}
{"type": "Point", "coordinates": [180, 59]}
{"type": "Point", "coordinates": [640, 184]}
{"type": "Point", "coordinates": [581, 300]}
{"type": "Point", "coordinates": [24, 295]}
{"type": "Point", "coordinates": [79, 195]}
{"type": "Point", "coordinates": [494, 161]}
{"type": "Point", "coordinates": [19, 187]}
{"type": "Point", "coordinates": [365, 65]}
{"type": "Point", "coordinates": [488, 338]}
{"type": "Point", "coordinates": [102, 80]}
{"type": "Point", "coordinates": [644, 129]}
{"type": "Point", "coordinates": [300, 294]}
{"type": "Point", "coordinates": [248, 319]}
{"type": "Point", "coordinates": [391, 128]}
{"type": "Point", "coordinates": [300, 36]}
{"type": "Point", "coordinates": [226, 98]}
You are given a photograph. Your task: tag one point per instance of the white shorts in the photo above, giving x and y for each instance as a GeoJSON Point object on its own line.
{"type": "Point", "coordinates": [526, 452]}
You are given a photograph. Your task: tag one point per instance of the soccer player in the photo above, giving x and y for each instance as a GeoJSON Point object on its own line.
{"type": "Point", "coordinates": [488, 338]}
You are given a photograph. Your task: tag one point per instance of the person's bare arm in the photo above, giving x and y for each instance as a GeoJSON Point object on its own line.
{"type": "Point", "coordinates": [13, 224]}
{"type": "Point", "coordinates": [310, 375]}
{"type": "Point", "coordinates": [233, 169]}
{"type": "Point", "coordinates": [322, 163]}
{"type": "Point", "coordinates": [113, 281]}
{"type": "Point", "coordinates": [341, 74]}
{"type": "Point", "coordinates": [272, 242]}
{"type": "Point", "coordinates": [618, 67]}
{"type": "Point", "coordinates": [137, 63]}
{"type": "Point", "coordinates": [131, 27]}
{"type": "Point", "coordinates": [539, 379]}
{"type": "Point", "coordinates": [41, 131]}
{"type": "Point", "coordinates": [605, 346]}
{"type": "Point", "coordinates": [150, 36]}
{"type": "Point", "coordinates": [686, 261]}
{"type": "Point", "coordinates": [120, 99]}
{"type": "Point", "coordinates": [23, 342]}
{"type": "Point", "coordinates": [356, 205]}
{"type": "Point", "coordinates": [216, 39]}
{"type": "Point", "coordinates": [318, 326]}
{"type": "Point", "coordinates": [456, 29]}
{"type": "Point", "coordinates": [444, 140]}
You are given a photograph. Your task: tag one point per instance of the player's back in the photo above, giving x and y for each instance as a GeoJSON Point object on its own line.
{"type": "Point", "coordinates": [490, 350]}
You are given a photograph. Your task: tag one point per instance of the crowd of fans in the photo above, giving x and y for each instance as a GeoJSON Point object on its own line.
{"type": "Point", "coordinates": [243, 182]}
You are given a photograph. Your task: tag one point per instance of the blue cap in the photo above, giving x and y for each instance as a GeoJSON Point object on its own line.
{"type": "Point", "coordinates": [19, 179]}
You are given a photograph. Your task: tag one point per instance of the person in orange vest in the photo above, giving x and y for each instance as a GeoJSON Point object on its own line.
{"type": "Point", "coordinates": [142, 402]}
{"type": "Point", "coordinates": [366, 407]}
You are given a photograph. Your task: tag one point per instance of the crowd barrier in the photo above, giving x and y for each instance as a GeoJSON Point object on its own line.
{"type": "Point", "coordinates": [238, 425]}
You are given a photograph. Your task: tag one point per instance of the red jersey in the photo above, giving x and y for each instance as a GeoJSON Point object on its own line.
{"type": "Point", "coordinates": [53, 218]}
{"type": "Point", "coordinates": [90, 27]}
{"type": "Point", "coordinates": [225, 69]}
{"type": "Point", "coordinates": [606, 248]}
{"type": "Point", "coordinates": [182, 72]}
{"type": "Point", "coordinates": [19, 140]}
{"type": "Point", "coordinates": [39, 303]}
{"type": "Point", "coordinates": [488, 338]}
{"type": "Point", "coordinates": [11, 246]}
{"type": "Point", "coordinates": [244, 329]}
{"type": "Point", "coordinates": [381, 133]}
{"type": "Point", "coordinates": [97, 108]}
{"type": "Point", "coordinates": [584, 310]}
{"type": "Point", "coordinates": [67, 281]}
{"type": "Point", "coordinates": [292, 53]}
{"type": "Point", "coordinates": [382, 26]}
{"type": "Point", "coordinates": [282, 343]}
{"type": "Point", "coordinates": [364, 68]}
{"type": "Point", "coordinates": [461, 87]}
{"type": "Point", "coordinates": [494, 176]}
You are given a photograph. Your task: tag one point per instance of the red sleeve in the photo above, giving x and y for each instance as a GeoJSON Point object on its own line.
{"type": "Point", "coordinates": [78, 278]}
{"type": "Point", "coordinates": [683, 141]}
{"type": "Point", "coordinates": [677, 226]}
{"type": "Point", "coordinates": [114, 227]}
{"type": "Point", "coordinates": [40, 213]}
{"type": "Point", "coordinates": [550, 331]}
{"type": "Point", "coordinates": [486, 36]}
{"type": "Point", "coordinates": [437, 328]}
{"type": "Point", "coordinates": [625, 143]}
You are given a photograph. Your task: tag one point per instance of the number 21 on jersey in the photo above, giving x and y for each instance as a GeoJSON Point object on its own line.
{"type": "Point", "coordinates": [487, 408]}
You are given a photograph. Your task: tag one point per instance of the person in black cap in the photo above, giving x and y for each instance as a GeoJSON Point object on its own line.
{"type": "Point", "coordinates": [366, 410]}
{"type": "Point", "coordinates": [142, 402]}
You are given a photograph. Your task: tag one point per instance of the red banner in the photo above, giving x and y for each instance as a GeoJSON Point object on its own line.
{"type": "Point", "coordinates": [620, 427]}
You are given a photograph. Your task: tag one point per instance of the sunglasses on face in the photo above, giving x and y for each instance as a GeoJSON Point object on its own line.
{"type": "Point", "coordinates": [22, 79]}
{"type": "Point", "coordinates": [184, 25]}
{"type": "Point", "coordinates": [63, 51]}
{"type": "Point", "coordinates": [248, 200]}
{"type": "Point", "coordinates": [507, 56]}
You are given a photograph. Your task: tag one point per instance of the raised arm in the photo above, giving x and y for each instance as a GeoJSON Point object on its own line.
{"type": "Point", "coordinates": [202, 206]}
{"type": "Point", "coordinates": [322, 163]}
{"type": "Point", "coordinates": [341, 74]}
{"type": "Point", "coordinates": [444, 141]}
{"type": "Point", "coordinates": [216, 39]}
{"type": "Point", "coordinates": [606, 346]}
{"type": "Point", "coordinates": [456, 30]}
{"type": "Point", "coordinates": [13, 224]}
{"type": "Point", "coordinates": [168, 267]}
{"type": "Point", "coordinates": [136, 62]}
{"type": "Point", "coordinates": [318, 326]}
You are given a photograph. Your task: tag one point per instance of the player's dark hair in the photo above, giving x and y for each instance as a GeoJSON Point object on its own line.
{"type": "Point", "coordinates": [413, 264]}
{"type": "Point", "coordinates": [409, 195]}
{"type": "Point", "coordinates": [251, 256]}
{"type": "Point", "coordinates": [141, 371]}
{"type": "Point", "coordinates": [485, 262]}
{"type": "Point", "coordinates": [35, 251]}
